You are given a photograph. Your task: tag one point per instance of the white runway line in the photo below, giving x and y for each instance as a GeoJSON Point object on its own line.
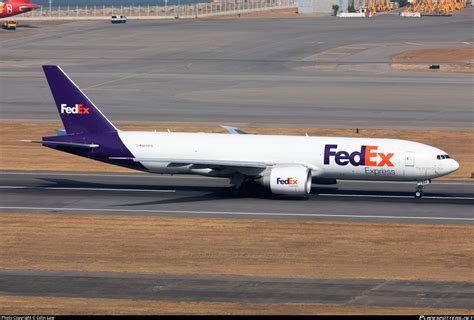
{"type": "Point", "coordinates": [177, 176]}
{"type": "Point", "coordinates": [124, 175]}
{"type": "Point", "coordinates": [88, 189]}
{"type": "Point", "coordinates": [172, 191]}
{"type": "Point", "coordinates": [270, 214]}
{"type": "Point", "coordinates": [389, 196]}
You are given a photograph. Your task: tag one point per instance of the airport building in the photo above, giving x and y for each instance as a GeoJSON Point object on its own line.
{"type": "Point", "coordinates": [322, 6]}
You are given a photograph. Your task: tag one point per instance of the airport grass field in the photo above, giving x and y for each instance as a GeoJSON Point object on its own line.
{"type": "Point", "coordinates": [78, 306]}
{"type": "Point", "coordinates": [168, 245]}
{"type": "Point", "coordinates": [255, 247]}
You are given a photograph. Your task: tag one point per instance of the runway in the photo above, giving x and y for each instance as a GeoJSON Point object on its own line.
{"type": "Point", "coordinates": [146, 194]}
{"type": "Point", "coordinates": [251, 72]}
{"type": "Point", "coordinates": [373, 293]}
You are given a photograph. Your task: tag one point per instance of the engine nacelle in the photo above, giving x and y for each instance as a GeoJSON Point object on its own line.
{"type": "Point", "coordinates": [290, 180]}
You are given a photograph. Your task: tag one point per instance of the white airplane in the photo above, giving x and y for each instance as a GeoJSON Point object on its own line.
{"type": "Point", "coordinates": [286, 165]}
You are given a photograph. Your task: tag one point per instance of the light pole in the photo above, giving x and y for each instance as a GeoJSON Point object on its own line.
{"type": "Point", "coordinates": [50, 6]}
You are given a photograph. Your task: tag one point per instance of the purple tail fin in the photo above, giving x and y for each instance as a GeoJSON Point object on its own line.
{"type": "Point", "coordinates": [78, 113]}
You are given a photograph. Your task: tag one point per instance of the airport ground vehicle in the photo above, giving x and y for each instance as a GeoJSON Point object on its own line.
{"type": "Point", "coordinates": [119, 19]}
{"type": "Point", "coordinates": [286, 165]}
{"type": "Point", "coordinates": [9, 25]}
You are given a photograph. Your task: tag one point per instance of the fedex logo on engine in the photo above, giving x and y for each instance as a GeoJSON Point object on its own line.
{"type": "Point", "coordinates": [367, 156]}
{"type": "Point", "coordinates": [287, 181]}
{"type": "Point", "coordinates": [77, 109]}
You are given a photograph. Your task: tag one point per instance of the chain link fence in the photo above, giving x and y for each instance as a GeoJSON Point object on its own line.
{"type": "Point", "coordinates": [196, 10]}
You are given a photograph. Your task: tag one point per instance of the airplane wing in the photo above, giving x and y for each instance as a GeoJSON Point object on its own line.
{"type": "Point", "coordinates": [234, 130]}
{"type": "Point", "coordinates": [65, 144]}
{"type": "Point", "coordinates": [200, 162]}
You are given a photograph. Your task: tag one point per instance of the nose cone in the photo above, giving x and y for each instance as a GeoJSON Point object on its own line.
{"type": "Point", "coordinates": [450, 166]}
{"type": "Point", "coordinates": [454, 165]}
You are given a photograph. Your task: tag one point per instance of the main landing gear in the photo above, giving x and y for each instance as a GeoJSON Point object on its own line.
{"type": "Point", "coordinates": [419, 188]}
{"type": "Point", "coordinates": [240, 186]}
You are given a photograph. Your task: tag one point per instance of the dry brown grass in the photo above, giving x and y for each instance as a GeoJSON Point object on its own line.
{"type": "Point", "coordinates": [67, 306]}
{"type": "Point", "coordinates": [15, 155]}
{"type": "Point", "coordinates": [457, 60]}
{"type": "Point", "coordinates": [436, 55]}
{"type": "Point", "coordinates": [249, 247]}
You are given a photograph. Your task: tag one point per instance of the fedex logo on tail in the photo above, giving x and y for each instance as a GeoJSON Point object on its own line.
{"type": "Point", "coordinates": [287, 181]}
{"type": "Point", "coordinates": [77, 109]}
{"type": "Point", "coordinates": [367, 156]}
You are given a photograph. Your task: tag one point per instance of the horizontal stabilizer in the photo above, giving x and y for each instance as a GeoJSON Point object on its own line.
{"type": "Point", "coordinates": [63, 144]}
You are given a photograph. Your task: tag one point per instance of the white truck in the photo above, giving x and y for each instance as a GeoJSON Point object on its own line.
{"type": "Point", "coordinates": [119, 19]}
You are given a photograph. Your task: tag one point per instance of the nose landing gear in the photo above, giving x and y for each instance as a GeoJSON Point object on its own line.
{"type": "Point", "coordinates": [419, 192]}
{"type": "Point", "coordinates": [419, 188]}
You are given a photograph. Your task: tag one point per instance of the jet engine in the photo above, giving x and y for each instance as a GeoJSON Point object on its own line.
{"type": "Point", "coordinates": [289, 180]}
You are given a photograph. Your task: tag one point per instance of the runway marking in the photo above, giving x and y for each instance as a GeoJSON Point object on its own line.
{"type": "Point", "coordinates": [389, 196]}
{"type": "Point", "coordinates": [151, 175]}
{"type": "Point", "coordinates": [414, 43]}
{"type": "Point", "coordinates": [173, 191]}
{"type": "Point", "coordinates": [8, 40]}
{"type": "Point", "coordinates": [88, 189]}
{"type": "Point", "coordinates": [115, 80]}
{"type": "Point", "coordinates": [107, 175]}
{"type": "Point", "coordinates": [275, 214]}
{"type": "Point", "coordinates": [340, 53]}
{"type": "Point", "coordinates": [465, 42]}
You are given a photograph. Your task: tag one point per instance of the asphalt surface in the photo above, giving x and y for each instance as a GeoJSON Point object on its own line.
{"type": "Point", "coordinates": [313, 72]}
{"type": "Point", "coordinates": [380, 293]}
{"type": "Point", "coordinates": [146, 194]}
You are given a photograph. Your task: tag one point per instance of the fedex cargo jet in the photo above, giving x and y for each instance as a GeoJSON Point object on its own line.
{"type": "Point", "coordinates": [285, 164]}
{"type": "Point", "coordinates": [14, 7]}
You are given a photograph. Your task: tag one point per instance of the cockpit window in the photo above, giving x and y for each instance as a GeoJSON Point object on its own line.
{"type": "Point", "coordinates": [443, 156]}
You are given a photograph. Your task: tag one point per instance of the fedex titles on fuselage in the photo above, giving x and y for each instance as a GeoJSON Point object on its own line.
{"type": "Point", "coordinates": [367, 156]}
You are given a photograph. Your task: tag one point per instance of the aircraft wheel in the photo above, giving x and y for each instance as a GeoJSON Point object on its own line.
{"type": "Point", "coordinates": [236, 193]}
{"type": "Point", "coordinates": [241, 192]}
{"type": "Point", "coordinates": [418, 194]}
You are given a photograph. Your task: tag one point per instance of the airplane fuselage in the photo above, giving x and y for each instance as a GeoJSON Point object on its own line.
{"type": "Point", "coordinates": [328, 157]}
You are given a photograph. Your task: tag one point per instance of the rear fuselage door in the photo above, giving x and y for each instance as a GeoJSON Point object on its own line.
{"type": "Point", "coordinates": [410, 159]}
